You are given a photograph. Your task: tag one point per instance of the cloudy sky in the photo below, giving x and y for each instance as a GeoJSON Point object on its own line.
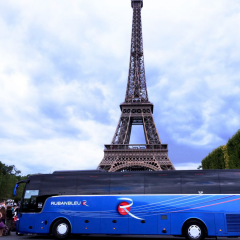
{"type": "Point", "coordinates": [64, 69]}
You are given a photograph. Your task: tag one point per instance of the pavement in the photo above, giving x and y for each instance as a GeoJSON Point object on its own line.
{"type": "Point", "coordinates": [13, 236]}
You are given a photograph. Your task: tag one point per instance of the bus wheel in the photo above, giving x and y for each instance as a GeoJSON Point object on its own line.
{"type": "Point", "coordinates": [194, 230]}
{"type": "Point", "coordinates": [61, 229]}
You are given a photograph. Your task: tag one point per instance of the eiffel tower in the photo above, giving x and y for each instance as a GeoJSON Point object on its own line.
{"type": "Point", "coordinates": [136, 110]}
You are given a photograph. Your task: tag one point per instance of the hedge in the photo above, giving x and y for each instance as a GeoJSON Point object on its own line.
{"type": "Point", "coordinates": [214, 160]}
{"type": "Point", "coordinates": [224, 157]}
{"type": "Point", "coordinates": [233, 150]}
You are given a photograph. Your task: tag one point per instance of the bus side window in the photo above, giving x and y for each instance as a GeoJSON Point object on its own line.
{"type": "Point", "coordinates": [229, 182]}
{"type": "Point", "coordinates": [163, 183]}
{"type": "Point", "coordinates": [93, 184]}
{"type": "Point", "coordinates": [200, 182]}
{"type": "Point", "coordinates": [127, 183]}
{"type": "Point", "coordinates": [58, 185]}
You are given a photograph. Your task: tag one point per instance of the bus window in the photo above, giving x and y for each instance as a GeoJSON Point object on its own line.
{"type": "Point", "coordinates": [30, 201]}
{"type": "Point", "coordinates": [230, 182]}
{"type": "Point", "coordinates": [127, 183]}
{"type": "Point", "coordinates": [163, 183]}
{"type": "Point", "coordinates": [200, 182]}
{"type": "Point", "coordinates": [93, 184]}
{"type": "Point", "coordinates": [58, 185]}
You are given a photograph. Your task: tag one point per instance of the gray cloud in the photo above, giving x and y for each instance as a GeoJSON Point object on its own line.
{"type": "Point", "coordinates": [64, 69]}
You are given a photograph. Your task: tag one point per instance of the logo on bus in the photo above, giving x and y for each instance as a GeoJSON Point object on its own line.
{"type": "Point", "coordinates": [70, 203]}
{"type": "Point", "coordinates": [84, 203]}
{"type": "Point", "coordinates": [124, 207]}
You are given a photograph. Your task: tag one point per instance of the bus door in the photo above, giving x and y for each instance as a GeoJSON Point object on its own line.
{"type": "Point", "coordinates": [27, 223]}
{"type": "Point", "coordinates": [28, 213]}
{"type": "Point", "coordinates": [29, 209]}
{"type": "Point", "coordinates": [29, 220]}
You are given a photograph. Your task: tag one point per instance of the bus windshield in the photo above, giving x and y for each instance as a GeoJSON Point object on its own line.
{"type": "Point", "coordinates": [30, 201]}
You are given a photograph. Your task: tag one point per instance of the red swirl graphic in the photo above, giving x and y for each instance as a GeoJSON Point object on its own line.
{"type": "Point", "coordinates": [121, 207]}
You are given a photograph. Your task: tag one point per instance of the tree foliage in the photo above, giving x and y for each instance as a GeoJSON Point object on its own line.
{"type": "Point", "coordinates": [233, 150]}
{"type": "Point", "coordinates": [214, 160]}
{"type": "Point", "coordinates": [9, 175]}
{"type": "Point", "coordinates": [224, 157]}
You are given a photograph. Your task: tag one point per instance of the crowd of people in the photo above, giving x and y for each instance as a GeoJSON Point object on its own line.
{"type": "Point", "coordinates": [8, 215]}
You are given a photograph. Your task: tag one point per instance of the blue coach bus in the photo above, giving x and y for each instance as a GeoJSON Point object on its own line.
{"type": "Point", "coordinates": [194, 204]}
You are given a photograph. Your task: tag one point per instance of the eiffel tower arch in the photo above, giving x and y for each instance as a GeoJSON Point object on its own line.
{"type": "Point", "coordinates": [120, 155]}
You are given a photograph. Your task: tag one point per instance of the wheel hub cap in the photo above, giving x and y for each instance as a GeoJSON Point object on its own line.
{"type": "Point", "coordinates": [194, 231]}
{"type": "Point", "coordinates": [62, 228]}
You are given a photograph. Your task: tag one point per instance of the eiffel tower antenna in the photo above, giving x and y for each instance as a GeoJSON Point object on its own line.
{"type": "Point", "coordinates": [136, 110]}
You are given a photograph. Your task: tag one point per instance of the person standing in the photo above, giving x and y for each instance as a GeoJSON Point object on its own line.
{"type": "Point", "coordinates": [9, 215]}
{"type": "Point", "coordinates": [2, 225]}
{"type": "Point", "coordinates": [3, 211]}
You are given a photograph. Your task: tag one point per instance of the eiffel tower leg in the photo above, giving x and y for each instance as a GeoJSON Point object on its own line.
{"type": "Point", "coordinates": [105, 165]}
{"type": "Point", "coordinates": [153, 138]}
{"type": "Point", "coordinates": [114, 164]}
{"type": "Point", "coordinates": [128, 135]}
{"type": "Point", "coordinates": [150, 130]}
{"type": "Point", "coordinates": [123, 131]}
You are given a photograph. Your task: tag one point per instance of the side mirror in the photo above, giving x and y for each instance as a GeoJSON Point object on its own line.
{"type": "Point", "coordinates": [15, 189]}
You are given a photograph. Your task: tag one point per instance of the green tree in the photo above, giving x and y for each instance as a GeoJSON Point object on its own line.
{"type": "Point", "coordinates": [214, 160]}
{"type": "Point", "coordinates": [9, 175]}
{"type": "Point", "coordinates": [224, 157]}
{"type": "Point", "coordinates": [233, 149]}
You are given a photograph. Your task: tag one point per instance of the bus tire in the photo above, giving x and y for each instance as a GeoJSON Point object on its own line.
{"type": "Point", "coordinates": [61, 229]}
{"type": "Point", "coordinates": [194, 230]}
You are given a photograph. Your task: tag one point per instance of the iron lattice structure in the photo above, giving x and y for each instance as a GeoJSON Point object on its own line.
{"type": "Point", "coordinates": [136, 110]}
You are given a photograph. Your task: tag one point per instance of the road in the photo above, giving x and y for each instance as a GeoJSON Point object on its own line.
{"type": "Point", "coordinates": [13, 236]}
